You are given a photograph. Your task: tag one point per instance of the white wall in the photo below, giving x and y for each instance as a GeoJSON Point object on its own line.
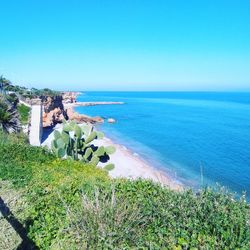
{"type": "Point", "coordinates": [35, 134]}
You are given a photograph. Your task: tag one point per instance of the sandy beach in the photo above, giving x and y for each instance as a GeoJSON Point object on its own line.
{"type": "Point", "coordinates": [127, 164]}
{"type": "Point", "coordinates": [130, 165]}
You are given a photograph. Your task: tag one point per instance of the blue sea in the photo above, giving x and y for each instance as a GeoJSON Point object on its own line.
{"type": "Point", "coordinates": [199, 138]}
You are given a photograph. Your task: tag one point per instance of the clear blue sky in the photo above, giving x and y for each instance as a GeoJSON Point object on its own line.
{"type": "Point", "coordinates": [126, 44]}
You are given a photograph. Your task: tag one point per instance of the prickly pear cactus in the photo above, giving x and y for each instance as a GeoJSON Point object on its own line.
{"type": "Point", "coordinates": [76, 142]}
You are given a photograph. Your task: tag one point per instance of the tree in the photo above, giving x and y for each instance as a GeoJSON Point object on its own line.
{"type": "Point", "coordinates": [4, 84]}
{"type": "Point", "coordinates": [1, 84]}
{"type": "Point", "coordinates": [9, 116]}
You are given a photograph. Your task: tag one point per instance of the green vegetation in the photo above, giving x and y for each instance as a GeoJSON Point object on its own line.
{"type": "Point", "coordinates": [74, 205]}
{"type": "Point", "coordinates": [9, 117]}
{"type": "Point", "coordinates": [13, 115]}
{"type": "Point", "coordinates": [75, 142]}
{"type": "Point", "coordinates": [33, 93]}
{"type": "Point", "coordinates": [12, 99]}
{"type": "Point", "coordinates": [7, 86]}
{"type": "Point", "coordinates": [24, 113]}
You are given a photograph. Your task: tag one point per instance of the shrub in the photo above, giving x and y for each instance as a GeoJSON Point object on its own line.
{"type": "Point", "coordinates": [72, 205]}
{"type": "Point", "coordinates": [24, 112]}
{"type": "Point", "coordinates": [76, 142]}
{"type": "Point", "coordinates": [9, 117]}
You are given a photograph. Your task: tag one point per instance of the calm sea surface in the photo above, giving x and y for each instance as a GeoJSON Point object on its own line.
{"type": "Point", "coordinates": [200, 138]}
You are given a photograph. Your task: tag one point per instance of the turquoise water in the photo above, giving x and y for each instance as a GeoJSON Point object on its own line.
{"type": "Point", "coordinates": [200, 138]}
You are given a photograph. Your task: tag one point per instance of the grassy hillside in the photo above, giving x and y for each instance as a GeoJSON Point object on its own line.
{"type": "Point", "coordinates": [70, 205]}
{"type": "Point", "coordinates": [24, 112]}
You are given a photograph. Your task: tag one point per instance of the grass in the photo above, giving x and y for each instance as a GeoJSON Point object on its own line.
{"type": "Point", "coordinates": [24, 113]}
{"type": "Point", "coordinates": [71, 205]}
{"type": "Point", "coordinates": [9, 239]}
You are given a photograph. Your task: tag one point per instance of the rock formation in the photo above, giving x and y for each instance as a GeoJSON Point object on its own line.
{"type": "Point", "coordinates": [53, 110]}
{"type": "Point", "coordinates": [111, 120]}
{"type": "Point", "coordinates": [72, 115]}
{"type": "Point", "coordinates": [51, 103]}
{"type": "Point", "coordinates": [69, 97]}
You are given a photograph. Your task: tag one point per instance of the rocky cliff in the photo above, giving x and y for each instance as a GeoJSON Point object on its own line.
{"type": "Point", "coordinates": [55, 112]}
{"type": "Point", "coordinates": [69, 97]}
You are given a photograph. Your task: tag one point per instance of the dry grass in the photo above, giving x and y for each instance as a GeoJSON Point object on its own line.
{"type": "Point", "coordinates": [9, 239]}
{"type": "Point", "coordinates": [99, 221]}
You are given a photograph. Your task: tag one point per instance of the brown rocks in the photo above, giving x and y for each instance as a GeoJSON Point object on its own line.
{"type": "Point", "coordinates": [53, 111]}
{"type": "Point", "coordinates": [70, 97]}
{"type": "Point", "coordinates": [111, 120]}
{"type": "Point", "coordinates": [52, 102]}
{"type": "Point", "coordinates": [53, 117]}
{"type": "Point", "coordinates": [58, 108]}
{"type": "Point", "coordinates": [82, 118]}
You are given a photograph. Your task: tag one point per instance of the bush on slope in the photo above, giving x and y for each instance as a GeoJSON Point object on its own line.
{"type": "Point", "coordinates": [77, 206]}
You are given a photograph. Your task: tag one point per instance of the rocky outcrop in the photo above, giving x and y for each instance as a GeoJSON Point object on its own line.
{"type": "Point", "coordinates": [111, 120]}
{"type": "Point", "coordinates": [53, 111]}
{"type": "Point", "coordinates": [70, 97]}
{"type": "Point", "coordinates": [72, 115]}
{"type": "Point", "coordinates": [53, 117]}
{"type": "Point", "coordinates": [52, 102]}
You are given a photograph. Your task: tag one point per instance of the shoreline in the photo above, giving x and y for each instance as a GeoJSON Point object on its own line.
{"type": "Point", "coordinates": [131, 166]}
{"type": "Point", "coordinates": [128, 164]}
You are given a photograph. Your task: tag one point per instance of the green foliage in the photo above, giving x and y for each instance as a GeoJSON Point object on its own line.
{"type": "Point", "coordinates": [12, 99]}
{"type": "Point", "coordinates": [211, 219]}
{"type": "Point", "coordinates": [109, 167]}
{"type": "Point", "coordinates": [6, 85]}
{"type": "Point", "coordinates": [73, 205]}
{"type": "Point", "coordinates": [24, 113]}
{"type": "Point", "coordinates": [9, 117]}
{"type": "Point", "coordinates": [18, 158]}
{"type": "Point", "coordinates": [76, 142]}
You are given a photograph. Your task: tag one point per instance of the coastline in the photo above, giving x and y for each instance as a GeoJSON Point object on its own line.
{"type": "Point", "coordinates": [85, 104]}
{"type": "Point", "coordinates": [127, 164]}
{"type": "Point", "coordinates": [132, 166]}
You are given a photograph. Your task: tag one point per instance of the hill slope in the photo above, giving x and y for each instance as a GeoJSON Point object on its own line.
{"type": "Point", "coordinates": [69, 205]}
